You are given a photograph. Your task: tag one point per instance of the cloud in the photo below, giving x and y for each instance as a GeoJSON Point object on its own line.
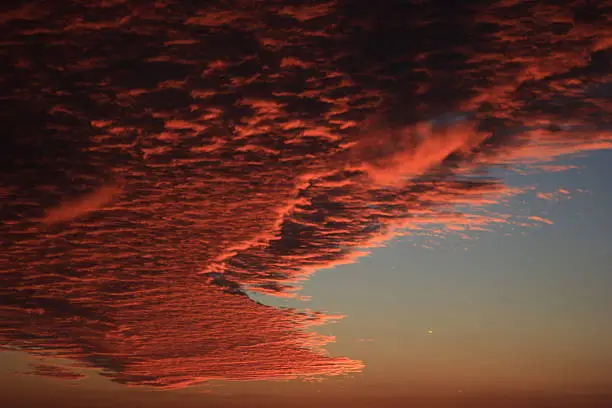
{"type": "Point", "coordinates": [390, 156]}
{"type": "Point", "coordinates": [540, 219]}
{"type": "Point", "coordinates": [259, 143]}
{"type": "Point", "coordinates": [55, 372]}
{"type": "Point", "coordinates": [555, 168]}
{"type": "Point", "coordinates": [558, 195]}
{"type": "Point", "coordinates": [75, 208]}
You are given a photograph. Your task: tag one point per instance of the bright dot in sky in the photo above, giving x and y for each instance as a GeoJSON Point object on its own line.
{"type": "Point", "coordinates": [429, 331]}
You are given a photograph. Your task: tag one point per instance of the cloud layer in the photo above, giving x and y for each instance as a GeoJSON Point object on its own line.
{"type": "Point", "coordinates": [255, 143]}
{"type": "Point", "coordinates": [55, 372]}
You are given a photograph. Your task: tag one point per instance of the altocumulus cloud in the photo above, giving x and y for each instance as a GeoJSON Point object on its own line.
{"type": "Point", "coordinates": [255, 143]}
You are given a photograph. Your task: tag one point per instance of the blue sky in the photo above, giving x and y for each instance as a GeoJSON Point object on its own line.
{"type": "Point", "coordinates": [539, 294]}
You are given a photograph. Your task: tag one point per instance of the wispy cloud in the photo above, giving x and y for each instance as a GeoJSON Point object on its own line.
{"type": "Point", "coordinates": [74, 208]}
{"type": "Point", "coordinates": [55, 372]}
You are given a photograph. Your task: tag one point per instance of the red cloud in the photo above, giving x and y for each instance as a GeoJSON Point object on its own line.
{"type": "Point", "coordinates": [55, 372]}
{"type": "Point", "coordinates": [244, 137]}
{"type": "Point", "coordinates": [75, 208]}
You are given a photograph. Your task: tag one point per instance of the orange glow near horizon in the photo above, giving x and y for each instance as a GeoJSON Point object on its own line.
{"type": "Point", "coordinates": [169, 165]}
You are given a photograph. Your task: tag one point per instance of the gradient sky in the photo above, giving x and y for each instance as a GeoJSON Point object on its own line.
{"type": "Point", "coordinates": [306, 204]}
{"type": "Point", "coordinates": [521, 313]}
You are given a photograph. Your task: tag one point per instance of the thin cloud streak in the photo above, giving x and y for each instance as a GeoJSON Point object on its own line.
{"type": "Point", "coordinates": [81, 206]}
{"type": "Point", "coordinates": [54, 372]}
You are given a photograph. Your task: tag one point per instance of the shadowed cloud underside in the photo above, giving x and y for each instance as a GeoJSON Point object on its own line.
{"type": "Point", "coordinates": [164, 158]}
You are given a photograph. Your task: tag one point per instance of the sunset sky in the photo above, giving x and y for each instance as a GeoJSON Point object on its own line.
{"type": "Point", "coordinates": [298, 204]}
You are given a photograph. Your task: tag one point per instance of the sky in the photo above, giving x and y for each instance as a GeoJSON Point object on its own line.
{"type": "Point", "coordinates": [302, 204]}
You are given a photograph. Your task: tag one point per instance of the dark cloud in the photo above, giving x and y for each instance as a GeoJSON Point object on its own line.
{"type": "Point", "coordinates": [55, 372]}
{"type": "Point", "coordinates": [164, 158]}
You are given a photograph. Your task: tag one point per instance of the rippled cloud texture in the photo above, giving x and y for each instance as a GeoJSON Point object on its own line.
{"type": "Point", "coordinates": [166, 157]}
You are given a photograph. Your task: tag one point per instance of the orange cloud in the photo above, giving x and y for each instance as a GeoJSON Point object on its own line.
{"type": "Point", "coordinates": [540, 219]}
{"type": "Point", "coordinates": [90, 202]}
{"type": "Point", "coordinates": [391, 157]}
